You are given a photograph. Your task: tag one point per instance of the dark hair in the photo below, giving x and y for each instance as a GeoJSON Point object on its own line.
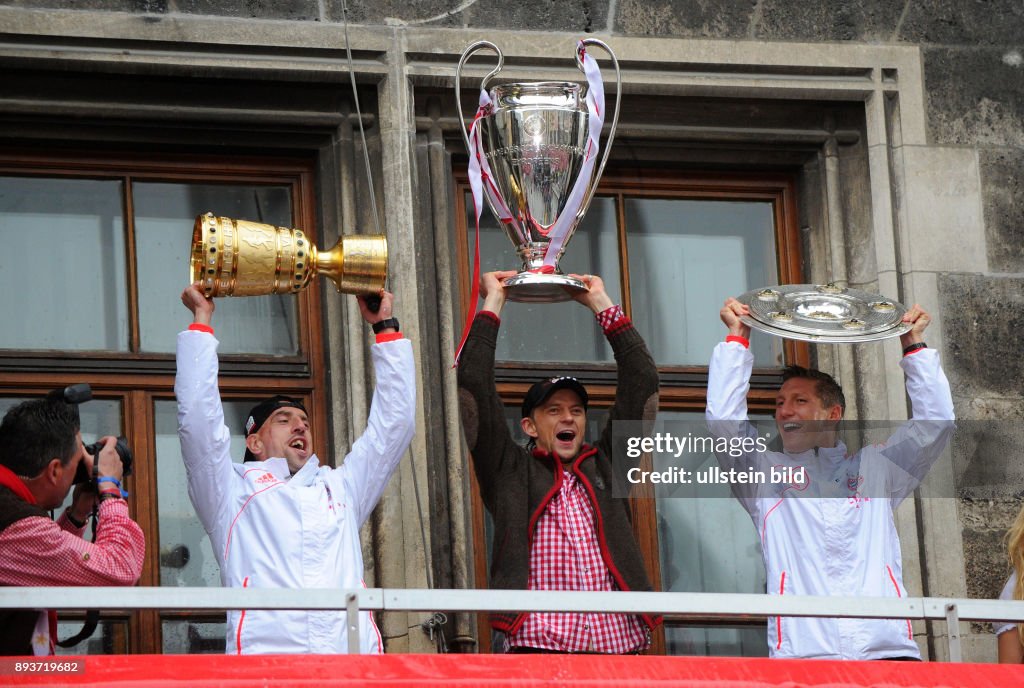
{"type": "Point", "coordinates": [829, 391]}
{"type": "Point", "coordinates": [35, 432]}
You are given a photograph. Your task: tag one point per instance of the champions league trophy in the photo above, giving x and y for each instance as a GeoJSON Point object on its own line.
{"type": "Point", "coordinates": [242, 258]}
{"type": "Point", "coordinates": [532, 153]}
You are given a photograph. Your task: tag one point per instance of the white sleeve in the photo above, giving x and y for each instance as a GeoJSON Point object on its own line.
{"type": "Point", "coordinates": [1007, 594]}
{"type": "Point", "coordinates": [917, 444]}
{"type": "Point", "coordinates": [389, 428]}
{"type": "Point", "coordinates": [726, 414]}
{"type": "Point", "coordinates": [205, 439]}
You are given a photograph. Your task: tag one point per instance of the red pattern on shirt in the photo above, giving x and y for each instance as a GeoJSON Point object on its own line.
{"type": "Point", "coordinates": [610, 316]}
{"type": "Point", "coordinates": [38, 551]}
{"type": "Point", "coordinates": [565, 555]}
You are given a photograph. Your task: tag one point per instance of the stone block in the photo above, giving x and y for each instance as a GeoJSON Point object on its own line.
{"type": "Point", "coordinates": [998, 22]}
{"type": "Point", "coordinates": [296, 10]}
{"type": "Point", "coordinates": [137, 6]}
{"type": "Point", "coordinates": [985, 524]}
{"type": "Point", "coordinates": [684, 18]}
{"type": "Point", "coordinates": [539, 15]}
{"type": "Point", "coordinates": [840, 20]}
{"type": "Point", "coordinates": [942, 197]}
{"type": "Point", "coordinates": [1002, 188]}
{"type": "Point", "coordinates": [982, 317]}
{"type": "Point", "coordinates": [975, 96]}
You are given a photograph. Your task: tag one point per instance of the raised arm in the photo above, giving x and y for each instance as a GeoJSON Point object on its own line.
{"type": "Point", "coordinates": [917, 444]}
{"type": "Point", "coordinates": [483, 415]}
{"type": "Point", "coordinates": [205, 439]}
{"type": "Point", "coordinates": [392, 420]}
{"type": "Point", "coordinates": [728, 386]}
{"type": "Point", "coordinates": [636, 385]}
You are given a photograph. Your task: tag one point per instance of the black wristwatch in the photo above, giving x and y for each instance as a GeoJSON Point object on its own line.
{"type": "Point", "coordinates": [385, 324]}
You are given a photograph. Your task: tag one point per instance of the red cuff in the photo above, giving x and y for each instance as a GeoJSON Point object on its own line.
{"type": "Point", "coordinates": [199, 327]}
{"type": "Point", "coordinates": [491, 315]}
{"type": "Point", "coordinates": [388, 337]}
{"type": "Point", "coordinates": [738, 339]}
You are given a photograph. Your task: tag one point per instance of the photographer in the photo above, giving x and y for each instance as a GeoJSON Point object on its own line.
{"type": "Point", "coordinates": [40, 452]}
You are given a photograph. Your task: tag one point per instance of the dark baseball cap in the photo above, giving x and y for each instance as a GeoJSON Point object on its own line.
{"type": "Point", "coordinates": [260, 412]}
{"type": "Point", "coordinates": [542, 390]}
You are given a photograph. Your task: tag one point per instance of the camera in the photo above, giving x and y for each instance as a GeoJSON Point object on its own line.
{"type": "Point", "coordinates": [82, 474]}
{"type": "Point", "coordinates": [78, 394]}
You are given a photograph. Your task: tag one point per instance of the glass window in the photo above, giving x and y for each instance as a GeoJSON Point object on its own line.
{"type": "Point", "coordinates": [63, 239]}
{"type": "Point", "coordinates": [708, 543]}
{"type": "Point", "coordinates": [192, 637]}
{"type": "Point", "coordinates": [186, 556]}
{"type": "Point", "coordinates": [109, 638]}
{"type": "Point", "coordinates": [686, 257]}
{"type": "Point", "coordinates": [164, 214]}
{"type": "Point", "coordinates": [593, 249]}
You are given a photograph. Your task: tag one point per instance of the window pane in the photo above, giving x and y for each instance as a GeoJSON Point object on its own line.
{"type": "Point", "coordinates": [63, 263]}
{"type": "Point", "coordinates": [109, 638]}
{"type": "Point", "coordinates": [187, 637]}
{"type": "Point", "coordinates": [553, 331]}
{"type": "Point", "coordinates": [164, 215]}
{"type": "Point", "coordinates": [685, 258]}
{"type": "Point", "coordinates": [708, 544]}
{"type": "Point", "coordinates": [186, 556]}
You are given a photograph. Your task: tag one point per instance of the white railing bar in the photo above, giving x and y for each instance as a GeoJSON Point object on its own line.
{"type": "Point", "coordinates": [976, 610]}
{"type": "Point", "coordinates": [175, 599]}
{"type": "Point", "coordinates": [727, 605]}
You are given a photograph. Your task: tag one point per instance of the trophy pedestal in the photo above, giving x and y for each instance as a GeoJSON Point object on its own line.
{"type": "Point", "coordinates": [533, 287]}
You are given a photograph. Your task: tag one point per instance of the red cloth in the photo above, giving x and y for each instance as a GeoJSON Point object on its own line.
{"type": "Point", "coordinates": [565, 555]}
{"type": "Point", "coordinates": [15, 484]}
{"type": "Point", "coordinates": [501, 671]}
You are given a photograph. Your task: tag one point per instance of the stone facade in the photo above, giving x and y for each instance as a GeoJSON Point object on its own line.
{"type": "Point", "coordinates": [925, 204]}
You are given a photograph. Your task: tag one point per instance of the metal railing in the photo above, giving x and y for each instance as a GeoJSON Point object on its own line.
{"type": "Point", "coordinates": [673, 605]}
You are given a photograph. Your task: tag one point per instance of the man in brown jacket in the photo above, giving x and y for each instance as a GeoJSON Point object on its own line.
{"type": "Point", "coordinates": [557, 525]}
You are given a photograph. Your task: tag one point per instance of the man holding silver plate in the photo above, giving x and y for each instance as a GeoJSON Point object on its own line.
{"type": "Point", "coordinates": [831, 532]}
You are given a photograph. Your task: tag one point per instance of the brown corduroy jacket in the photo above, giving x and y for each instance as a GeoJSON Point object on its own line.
{"type": "Point", "coordinates": [517, 484]}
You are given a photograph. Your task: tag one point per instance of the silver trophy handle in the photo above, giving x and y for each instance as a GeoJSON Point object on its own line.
{"type": "Point", "coordinates": [615, 118]}
{"type": "Point", "coordinates": [466, 54]}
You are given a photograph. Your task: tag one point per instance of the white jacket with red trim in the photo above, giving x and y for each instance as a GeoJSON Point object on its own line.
{"type": "Point", "coordinates": [843, 545]}
{"type": "Point", "coordinates": [272, 531]}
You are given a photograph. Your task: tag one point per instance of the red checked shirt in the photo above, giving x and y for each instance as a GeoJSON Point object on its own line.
{"type": "Point", "coordinates": [565, 555]}
{"type": "Point", "coordinates": [41, 552]}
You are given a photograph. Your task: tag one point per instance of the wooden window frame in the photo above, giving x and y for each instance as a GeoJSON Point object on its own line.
{"type": "Point", "coordinates": [137, 379]}
{"type": "Point", "coordinates": [683, 387]}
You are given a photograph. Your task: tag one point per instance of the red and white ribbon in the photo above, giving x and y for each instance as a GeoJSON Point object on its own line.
{"type": "Point", "coordinates": [559, 231]}
{"type": "Point", "coordinates": [480, 183]}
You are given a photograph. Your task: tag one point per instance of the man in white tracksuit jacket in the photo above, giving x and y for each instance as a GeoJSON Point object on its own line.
{"type": "Point", "coordinates": [833, 533]}
{"type": "Point", "coordinates": [281, 520]}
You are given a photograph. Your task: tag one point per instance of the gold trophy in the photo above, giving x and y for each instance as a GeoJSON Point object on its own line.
{"type": "Point", "coordinates": [242, 258]}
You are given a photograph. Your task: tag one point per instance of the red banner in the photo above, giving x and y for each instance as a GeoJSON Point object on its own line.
{"type": "Point", "coordinates": [463, 671]}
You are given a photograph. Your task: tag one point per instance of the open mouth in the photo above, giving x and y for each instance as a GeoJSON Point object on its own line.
{"type": "Point", "coordinates": [791, 427]}
{"type": "Point", "coordinates": [566, 435]}
{"type": "Point", "coordinates": [298, 443]}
